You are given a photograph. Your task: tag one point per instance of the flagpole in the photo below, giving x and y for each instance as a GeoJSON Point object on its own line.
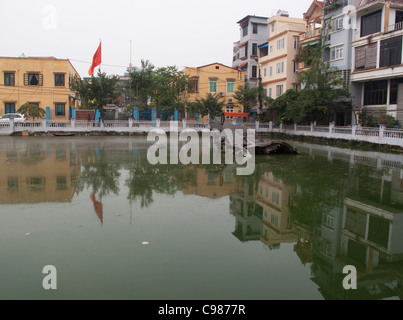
{"type": "Point", "coordinates": [100, 42]}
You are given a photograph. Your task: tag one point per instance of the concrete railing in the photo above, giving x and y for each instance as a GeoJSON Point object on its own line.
{"type": "Point", "coordinates": [379, 135]}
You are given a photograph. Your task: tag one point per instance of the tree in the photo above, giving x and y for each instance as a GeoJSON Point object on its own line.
{"type": "Point", "coordinates": [247, 97]}
{"type": "Point", "coordinates": [32, 110]}
{"type": "Point", "coordinates": [98, 92]}
{"type": "Point", "coordinates": [142, 83]}
{"type": "Point", "coordinates": [211, 105]}
{"type": "Point", "coordinates": [170, 86]}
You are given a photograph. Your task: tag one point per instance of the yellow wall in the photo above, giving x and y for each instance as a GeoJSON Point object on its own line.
{"type": "Point", "coordinates": [47, 94]}
{"type": "Point", "coordinates": [284, 28]}
{"type": "Point", "coordinates": [222, 73]}
{"type": "Point", "coordinates": [37, 173]}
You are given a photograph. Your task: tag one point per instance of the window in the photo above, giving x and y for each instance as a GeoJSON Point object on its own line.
{"type": "Point", "coordinates": [245, 30]}
{"type": "Point", "coordinates": [229, 110]}
{"type": "Point", "coordinates": [194, 85]}
{"type": "Point", "coordinates": [265, 72]}
{"type": "Point", "coordinates": [393, 91]}
{"type": "Point", "coordinates": [279, 90]}
{"type": "Point", "coordinates": [33, 79]}
{"type": "Point", "coordinates": [59, 80]}
{"type": "Point", "coordinates": [254, 49]}
{"type": "Point", "coordinates": [296, 42]}
{"type": "Point", "coordinates": [213, 85]}
{"type": "Point", "coordinates": [272, 27]}
{"type": "Point", "coordinates": [391, 52]}
{"type": "Point", "coordinates": [365, 57]}
{"type": "Point", "coordinates": [271, 49]}
{"type": "Point", "coordinates": [295, 66]}
{"type": "Point", "coordinates": [328, 221]}
{"type": "Point", "coordinates": [255, 28]}
{"type": "Point", "coordinates": [270, 71]}
{"type": "Point", "coordinates": [231, 86]}
{"type": "Point", "coordinates": [36, 183]}
{"type": "Point", "coordinates": [270, 92]}
{"type": "Point", "coordinates": [337, 24]}
{"type": "Point", "coordinates": [60, 109]}
{"type": "Point", "coordinates": [275, 197]}
{"type": "Point", "coordinates": [375, 92]}
{"type": "Point", "coordinates": [9, 108]}
{"type": "Point", "coordinates": [9, 79]}
{"type": "Point", "coordinates": [371, 23]}
{"type": "Point", "coordinates": [254, 71]}
{"type": "Point", "coordinates": [12, 184]}
{"type": "Point", "coordinates": [399, 18]}
{"type": "Point", "coordinates": [280, 67]}
{"type": "Point", "coordinates": [336, 53]}
{"type": "Point", "coordinates": [274, 220]}
{"type": "Point", "coordinates": [280, 44]}
{"type": "Point", "coordinates": [61, 183]}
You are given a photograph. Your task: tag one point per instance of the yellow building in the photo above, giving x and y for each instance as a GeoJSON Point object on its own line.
{"type": "Point", "coordinates": [279, 66]}
{"type": "Point", "coordinates": [42, 80]}
{"type": "Point", "coordinates": [218, 79]}
{"type": "Point", "coordinates": [36, 173]}
{"type": "Point", "coordinates": [314, 21]}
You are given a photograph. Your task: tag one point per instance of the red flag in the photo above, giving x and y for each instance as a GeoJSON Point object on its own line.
{"type": "Point", "coordinates": [96, 61]}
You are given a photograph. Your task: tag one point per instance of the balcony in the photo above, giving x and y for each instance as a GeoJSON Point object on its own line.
{"type": "Point", "coordinates": [394, 27]}
{"type": "Point", "coordinates": [310, 35]}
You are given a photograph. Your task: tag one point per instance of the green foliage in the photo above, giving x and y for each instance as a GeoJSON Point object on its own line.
{"type": "Point", "coordinates": [98, 92]}
{"type": "Point", "coordinates": [367, 120]}
{"type": "Point", "coordinates": [210, 105]}
{"type": "Point", "coordinates": [246, 96]}
{"type": "Point", "coordinates": [170, 86]}
{"type": "Point", "coordinates": [142, 83]}
{"type": "Point", "coordinates": [32, 110]}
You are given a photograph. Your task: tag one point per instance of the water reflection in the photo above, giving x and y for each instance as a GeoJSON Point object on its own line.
{"type": "Point", "coordinates": [336, 207]}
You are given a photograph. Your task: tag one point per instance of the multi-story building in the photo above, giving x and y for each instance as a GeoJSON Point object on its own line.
{"type": "Point", "coordinates": [377, 58]}
{"type": "Point", "coordinates": [278, 66]}
{"type": "Point", "coordinates": [218, 79]}
{"type": "Point", "coordinates": [43, 81]}
{"type": "Point", "coordinates": [254, 33]}
{"type": "Point", "coordinates": [312, 37]}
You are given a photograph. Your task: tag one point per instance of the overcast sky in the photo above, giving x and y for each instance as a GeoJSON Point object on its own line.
{"type": "Point", "coordinates": [166, 32]}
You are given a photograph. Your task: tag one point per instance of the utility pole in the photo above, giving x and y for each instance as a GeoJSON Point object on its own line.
{"type": "Point", "coordinates": [260, 89]}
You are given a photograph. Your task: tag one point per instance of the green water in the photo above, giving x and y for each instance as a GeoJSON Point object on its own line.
{"type": "Point", "coordinates": [115, 227]}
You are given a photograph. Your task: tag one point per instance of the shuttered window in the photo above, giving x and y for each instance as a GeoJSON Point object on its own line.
{"type": "Point", "coordinates": [33, 79]}
{"type": "Point", "coordinates": [365, 57]}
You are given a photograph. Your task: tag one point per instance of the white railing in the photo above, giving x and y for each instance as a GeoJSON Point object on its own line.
{"type": "Point", "coordinates": [379, 135]}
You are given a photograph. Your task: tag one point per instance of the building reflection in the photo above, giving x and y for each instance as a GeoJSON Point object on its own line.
{"type": "Point", "coordinates": [37, 172]}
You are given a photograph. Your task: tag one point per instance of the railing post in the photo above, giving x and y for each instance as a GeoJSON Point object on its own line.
{"type": "Point", "coordinates": [353, 131]}
{"type": "Point", "coordinates": [311, 126]}
{"type": "Point", "coordinates": [158, 123]}
{"type": "Point", "coordinates": [281, 127]}
{"type": "Point", "coordinates": [44, 122]}
{"type": "Point", "coordinates": [382, 128]}
{"type": "Point", "coordinates": [257, 126]}
{"type": "Point", "coordinates": [271, 126]}
{"type": "Point", "coordinates": [130, 123]}
{"type": "Point", "coordinates": [184, 123]}
{"type": "Point", "coordinates": [295, 127]}
{"type": "Point", "coordinates": [331, 126]}
{"type": "Point", "coordinates": [12, 125]}
{"type": "Point", "coordinates": [73, 123]}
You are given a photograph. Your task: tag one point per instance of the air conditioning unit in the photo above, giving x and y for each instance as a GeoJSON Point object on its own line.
{"type": "Point", "coordinates": [230, 100]}
{"type": "Point", "coordinates": [222, 94]}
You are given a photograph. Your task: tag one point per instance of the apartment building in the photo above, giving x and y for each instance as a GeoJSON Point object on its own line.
{"type": "Point", "coordinates": [377, 68]}
{"type": "Point", "coordinates": [278, 66]}
{"type": "Point", "coordinates": [43, 81]}
{"type": "Point", "coordinates": [216, 78]}
{"type": "Point", "coordinates": [312, 37]}
{"type": "Point", "coordinates": [254, 32]}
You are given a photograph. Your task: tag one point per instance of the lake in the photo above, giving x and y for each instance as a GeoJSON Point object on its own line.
{"type": "Point", "coordinates": [116, 227]}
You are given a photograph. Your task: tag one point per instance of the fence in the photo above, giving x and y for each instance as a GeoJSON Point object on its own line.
{"type": "Point", "coordinates": [379, 135]}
